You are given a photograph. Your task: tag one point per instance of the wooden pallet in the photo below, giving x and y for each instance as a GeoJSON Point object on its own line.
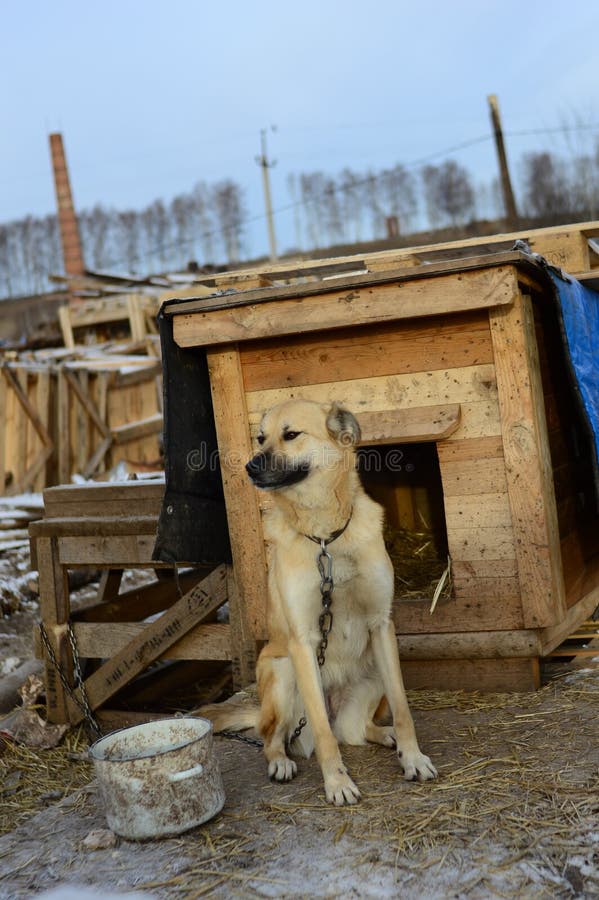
{"type": "Point", "coordinates": [64, 417]}
{"type": "Point", "coordinates": [112, 527]}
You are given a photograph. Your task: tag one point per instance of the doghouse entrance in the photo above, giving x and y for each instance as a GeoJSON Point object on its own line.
{"type": "Point", "coordinates": [406, 480]}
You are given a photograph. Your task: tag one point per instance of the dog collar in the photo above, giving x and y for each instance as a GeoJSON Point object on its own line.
{"type": "Point", "coordinates": [324, 542]}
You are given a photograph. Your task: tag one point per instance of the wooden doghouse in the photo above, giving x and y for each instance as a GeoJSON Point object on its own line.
{"type": "Point", "coordinates": [461, 356]}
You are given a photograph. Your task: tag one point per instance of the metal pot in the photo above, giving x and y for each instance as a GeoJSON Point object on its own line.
{"type": "Point", "coordinates": [160, 778]}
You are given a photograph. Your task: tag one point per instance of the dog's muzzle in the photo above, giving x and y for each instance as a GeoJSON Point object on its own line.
{"type": "Point", "coordinates": [270, 471]}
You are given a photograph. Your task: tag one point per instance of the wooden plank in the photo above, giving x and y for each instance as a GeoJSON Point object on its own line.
{"type": "Point", "coordinates": [235, 447]}
{"type": "Point", "coordinates": [485, 510]}
{"type": "Point", "coordinates": [42, 404]}
{"type": "Point", "coordinates": [100, 640]}
{"type": "Point", "coordinates": [472, 543]}
{"type": "Point", "coordinates": [153, 641]}
{"type": "Point", "coordinates": [54, 613]}
{"type": "Point", "coordinates": [472, 449]}
{"type": "Point", "coordinates": [433, 296]}
{"type": "Point", "coordinates": [82, 431]}
{"type": "Point", "coordinates": [480, 604]}
{"type": "Point", "coordinates": [242, 642]}
{"type": "Point", "coordinates": [100, 526]}
{"type": "Point", "coordinates": [86, 402]}
{"type": "Point", "coordinates": [63, 441]}
{"type": "Point", "coordinates": [64, 317]}
{"type": "Point", "coordinates": [472, 674]}
{"type": "Point", "coordinates": [462, 478]}
{"type": "Point", "coordinates": [138, 603]}
{"type": "Point", "coordinates": [125, 551]}
{"type": "Point", "coordinates": [104, 498]}
{"type": "Point", "coordinates": [470, 645]}
{"type": "Point", "coordinates": [405, 426]}
{"type": "Point", "coordinates": [385, 349]}
{"type": "Point", "coordinates": [135, 431]}
{"type": "Point", "coordinates": [470, 384]}
{"type": "Point", "coordinates": [528, 463]}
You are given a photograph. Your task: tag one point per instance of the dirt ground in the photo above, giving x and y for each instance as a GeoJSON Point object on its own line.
{"type": "Point", "coordinates": [514, 813]}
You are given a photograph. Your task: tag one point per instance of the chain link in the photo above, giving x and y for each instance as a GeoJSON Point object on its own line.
{"type": "Point", "coordinates": [82, 701]}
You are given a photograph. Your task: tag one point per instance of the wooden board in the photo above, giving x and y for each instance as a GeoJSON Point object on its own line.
{"type": "Point", "coordinates": [243, 514]}
{"type": "Point", "coordinates": [469, 384]}
{"type": "Point", "coordinates": [152, 641]}
{"type": "Point", "coordinates": [354, 305]}
{"type": "Point", "coordinates": [443, 343]}
{"type": "Point", "coordinates": [528, 463]}
{"type": "Point", "coordinates": [472, 674]}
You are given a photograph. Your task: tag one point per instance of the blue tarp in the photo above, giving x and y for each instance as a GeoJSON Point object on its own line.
{"type": "Point", "coordinates": [579, 307]}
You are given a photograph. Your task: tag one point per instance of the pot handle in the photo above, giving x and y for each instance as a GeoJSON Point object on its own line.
{"type": "Point", "coordinates": [187, 773]}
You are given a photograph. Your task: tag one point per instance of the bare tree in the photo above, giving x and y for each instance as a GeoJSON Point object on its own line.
{"type": "Point", "coordinates": [203, 222]}
{"type": "Point", "coordinates": [351, 189]}
{"type": "Point", "coordinates": [546, 190]}
{"type": "Point", "coordinates": [230, 213]}
{"type": "Point", "coordinates": [128, 227]}
{"type": "Point", "coordinates": [448, 193]}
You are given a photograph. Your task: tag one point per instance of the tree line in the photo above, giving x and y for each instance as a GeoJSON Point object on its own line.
{"type": "Point", "coordinates": [209, 223]}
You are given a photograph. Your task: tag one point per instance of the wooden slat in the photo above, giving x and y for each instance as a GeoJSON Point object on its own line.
{"type": "Point", "coordinates": [470, 384]}
{"type": "Point", "coordinates": [478, 604]}
{"type": "Point", "coordinates": [528, 463]}
{"type": "Point", "coordinates": [483, 510]}
{"type": "Point", "coordinates": [469, 645]}
{"type": "Point", "coordinates": [104, 499]}
{"type": "Point", "coordinates": [471, 543]}
{"type": "Point", "coordinates": [383, 349]}
{"type": "Point", "coordinates": [354, 305]}
{"type": "Point", "coordinates": [54, 613]}
{"type": "Point", "coordinates": [518, 674]}
{"type": "Point", "coordinates": [234, 443]}
{"type": "Point", "coordinates": [135, 431]}
{"type": "Point", "coordinates": [461, 478]}
{"type": "Point", "coordinates": [153, 641]}
{"type": "Point", "coordinates": [124, 551]}
{"type": "Point", "coordinates": [104, 639]}
{"type": "Point", "coordinates": [405, 426]}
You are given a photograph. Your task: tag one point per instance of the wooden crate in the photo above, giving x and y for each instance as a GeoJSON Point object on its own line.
{"type": "Point", "coordinates": [444, 352]}
{"type": "Point", "coordinates": [112, 527]}
{"type": "Point", "coordinates": [64, 417]}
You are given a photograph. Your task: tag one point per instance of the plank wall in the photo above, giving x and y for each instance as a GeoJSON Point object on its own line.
{"type": "Point", "coordinates": [447, 359]}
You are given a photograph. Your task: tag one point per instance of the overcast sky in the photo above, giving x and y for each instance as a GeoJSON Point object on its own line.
{"type": "Point", "coordinates": [153, 96]}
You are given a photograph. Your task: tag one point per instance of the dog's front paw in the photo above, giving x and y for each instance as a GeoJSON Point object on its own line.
{"type": "Point", "coordinates": [416, 766]}
{"type": "Point", "coordinates": [282, 769]}
{"type": "Point", "coordinates": [340, 789]}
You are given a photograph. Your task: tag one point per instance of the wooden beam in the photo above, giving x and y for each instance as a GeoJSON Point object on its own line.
{"type": "Point", "coordinates": [528, 463]}
{"type": "Point", "coordinates": [359, 305]}
{"type": "Point", "coordinates": [101, 640]}
{"type": "Point", "coordinates": [235, 448]}
{"type": "Point", "coordinates": [153, 641]}
{"type": "Point", "coordinates": [411, 425]}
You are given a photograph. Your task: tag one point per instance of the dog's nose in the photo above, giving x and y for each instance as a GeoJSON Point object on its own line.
{"type": "Point", "coordinates": [256, 465]}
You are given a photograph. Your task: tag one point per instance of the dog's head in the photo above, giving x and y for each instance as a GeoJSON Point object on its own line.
{"type": "Point", "coordinates": [298, 438]}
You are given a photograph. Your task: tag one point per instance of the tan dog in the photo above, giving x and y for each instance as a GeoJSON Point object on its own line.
{"type": "Point", "coordinates": [307, 460]}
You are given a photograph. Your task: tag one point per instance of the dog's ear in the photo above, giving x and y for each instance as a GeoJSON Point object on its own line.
{"type": "Point", "coordinates": [343, 426]}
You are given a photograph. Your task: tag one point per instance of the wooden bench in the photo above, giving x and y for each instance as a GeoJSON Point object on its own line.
{"type": "Point", "coordinates": [112, 527]}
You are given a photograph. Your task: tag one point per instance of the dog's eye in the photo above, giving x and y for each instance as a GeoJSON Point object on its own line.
{"type": "Point", "coordinates": [291, 435]}
{"type": "Point", "coordinates": [261, 439]}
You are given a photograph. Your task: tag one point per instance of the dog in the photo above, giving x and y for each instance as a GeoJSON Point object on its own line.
{"type": "Point", "coordinates": [332, 657]}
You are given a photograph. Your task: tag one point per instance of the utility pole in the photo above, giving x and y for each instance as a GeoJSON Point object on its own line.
{"type": "Point", "coordinates": [266, 164]}
{"type": "Point", "coordinates": [511, 213]}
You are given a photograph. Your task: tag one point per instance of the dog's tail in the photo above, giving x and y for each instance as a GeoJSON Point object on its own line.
{"type": "Point", "coordinates": [238, 713]}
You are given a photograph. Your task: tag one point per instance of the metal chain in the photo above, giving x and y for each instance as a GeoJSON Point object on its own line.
{"type": "Point", "coordinates": [83, 701]}
{"type": "Point", "coordinates": [324, 561]}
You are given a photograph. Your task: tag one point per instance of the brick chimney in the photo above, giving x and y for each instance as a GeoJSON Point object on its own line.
{"type": "Point", "coordinates": [72, 253]}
